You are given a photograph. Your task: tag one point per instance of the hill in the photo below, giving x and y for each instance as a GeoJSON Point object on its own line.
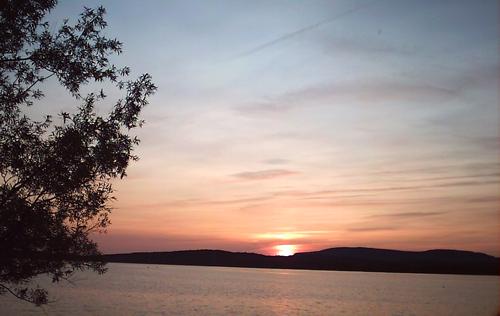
{"type": "Point", "coordinates": [441, 261]}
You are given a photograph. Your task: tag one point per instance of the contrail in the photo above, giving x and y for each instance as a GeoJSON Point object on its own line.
{"type": "Point", "coordinates": [301, 31]}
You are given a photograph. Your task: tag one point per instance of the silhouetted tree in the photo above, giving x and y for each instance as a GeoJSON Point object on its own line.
{"type": "Point", "coordinates": [55, 179]}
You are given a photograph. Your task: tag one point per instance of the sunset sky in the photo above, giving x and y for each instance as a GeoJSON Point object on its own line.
{"type": "Point", "coordinates": [309, 123]}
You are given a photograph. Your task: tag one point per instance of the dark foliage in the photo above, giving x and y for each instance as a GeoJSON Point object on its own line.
{"type": "Point", "coordinates": [55, 179]}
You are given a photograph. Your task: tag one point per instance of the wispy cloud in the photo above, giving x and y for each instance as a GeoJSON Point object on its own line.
{"type": "Point", "coordinates": [332, 45]}
{"type": "Point", "coordinates": [239, 201]}
{"type": "Point", "coordinates": [268, 107]}
{"type": "Point", "coordinates": [264, 174]}
{"type": "Point", "coordinates": [442, 169]}
{"type": "Point", "coordinates": [366, 91]}
{"type": "Point", "coordinates": [469, 176]}
{"type": "Point", "coordinates": [372, 228]}
{"type": "Point", "coordinates": [301, 31]}
{"type": "Point", "coordinates": [492, 142]}
{"type": "Point", "coordinates": [402, 188]}
{"type": "Point", "coordinates": [276, 161]}
{"type": "Point", "coordinates": [484, 199]}
{"type": "Point", "coordinates": [407, 215]}
{"type": "Point", "coordinates": [375, 91]}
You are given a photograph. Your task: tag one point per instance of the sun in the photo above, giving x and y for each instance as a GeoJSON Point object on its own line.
{"type": "Point", "coordinates": [285, 250]}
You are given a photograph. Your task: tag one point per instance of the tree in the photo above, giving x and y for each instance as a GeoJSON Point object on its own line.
{"type": "Point", "coordinates": [55, 174]}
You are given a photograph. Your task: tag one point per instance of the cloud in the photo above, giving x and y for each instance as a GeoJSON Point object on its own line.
{"type": "Point", "coordinates": [408, 214]}
{"type": "Point", "coordinates": [415, 187]}
{"type": "Point", "coordinates": [440, 169]}
{"type": "Point", "coordinates": [470, 176]}
{"type": "Point", "coordinates": [373, 90]}
{"type": "Point", "coordinates": [268, 107]}
{"type": "Point", "coordinates": [238, 201]}
{"type": "Point", "coordinates": [378, 90]}
{"type": "Point", "coordinates": [481, 76]}
{"type": "Point", "coordinates": [252, 209]}
{"type": "Point", "coordinates": [352, 196]}
{"type": "Point", "coordinates": [445, 201]}
{"type": "Point", "coordinates": [117, 241]}
{"type": "Point", "coordinates": [349, 45]}
{"type": "Point", "coordinates": [487, 142]}
{"type": "Point", "coordinates": [376, 197]}
{"type": "Point", "coordinates": [484, 199]}
{"type": "Point", "coordinates": [368, 91]}
{"type": "Point", "coordinates": [176, 204]}
{"type": "Point", "coordinates": [301, 31]}
{"type": "Point", "coordinates": [485, 168]}
{"type": "Point", "coordinates": [264, 174]}
{"type": "Point", "coordinates": [372, 229]}
{"type": "Point", "coordinates": [291, 235]}
{"type": "Point", "coordinates": [276, 161]}
{"type": "Point", "coordinates": [328, 197]}
{"type": "Point", "coordinates": [482, 143]}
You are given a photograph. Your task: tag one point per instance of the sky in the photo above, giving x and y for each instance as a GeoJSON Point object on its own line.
{"type": "Point", "coordinates": [312, 124]}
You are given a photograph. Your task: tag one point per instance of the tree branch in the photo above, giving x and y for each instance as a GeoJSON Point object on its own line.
{"type": "Point", "coordinates": [16, 295]}
{"type": "Point", "coordinates": [34, 83]}
{"type": "Point", "coordinates": [11, 60]}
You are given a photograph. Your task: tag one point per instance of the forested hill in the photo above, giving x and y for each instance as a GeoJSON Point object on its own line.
{"type": "Point", "coordinates": [345, 259]}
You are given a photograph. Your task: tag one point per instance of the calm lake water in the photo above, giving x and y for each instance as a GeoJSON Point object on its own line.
{"type": "Point", "coordinates": [137, 289]}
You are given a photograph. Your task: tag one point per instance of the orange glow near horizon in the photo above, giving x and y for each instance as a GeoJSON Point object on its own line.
{"type": "Point", "coordinates": [285, 250]}
{"type": "Point", "coordinates": [281, 236]}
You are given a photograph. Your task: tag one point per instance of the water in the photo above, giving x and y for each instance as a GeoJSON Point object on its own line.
{"type": "Point", "coordinates": [136, 289]}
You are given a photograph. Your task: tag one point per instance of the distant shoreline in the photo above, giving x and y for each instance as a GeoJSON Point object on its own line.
{"type": "Point", "coordinates": [439, 261]}
{"type": "Point", "coordinates": [299, 269]}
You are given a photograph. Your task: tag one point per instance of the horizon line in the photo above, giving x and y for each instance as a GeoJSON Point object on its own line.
{"type": "Point", "coordinates": [342, 247]}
